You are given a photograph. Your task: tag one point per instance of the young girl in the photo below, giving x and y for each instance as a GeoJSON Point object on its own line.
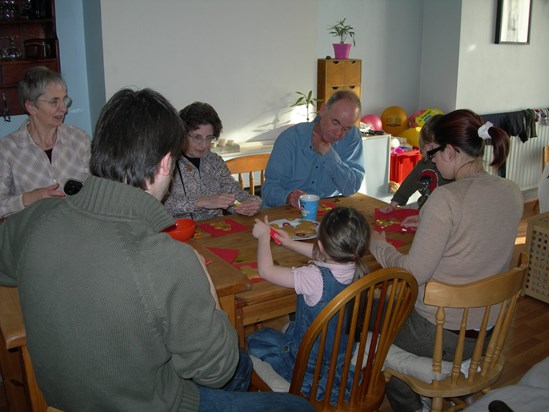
{"type": "Point", "coordinates": [343, 239]}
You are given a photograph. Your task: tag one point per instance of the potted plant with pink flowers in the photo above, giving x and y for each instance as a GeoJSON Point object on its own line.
{"type": "Point", "coordinates": [342, 30]}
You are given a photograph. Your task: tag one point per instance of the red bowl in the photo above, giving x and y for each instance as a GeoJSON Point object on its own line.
{"type": "Point", "coordinates": [183, 229]}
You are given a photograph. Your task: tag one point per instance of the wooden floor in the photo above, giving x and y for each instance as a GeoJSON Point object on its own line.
{"type": "Point", "coordinates": [527, 341]}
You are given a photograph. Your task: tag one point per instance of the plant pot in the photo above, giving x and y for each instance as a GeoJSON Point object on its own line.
{"type": "Point", "coordinates": [342, 50]}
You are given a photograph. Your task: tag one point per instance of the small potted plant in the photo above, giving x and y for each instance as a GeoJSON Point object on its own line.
{"type": "Point", "coordinates": [342, 31]}
{"type": "Point", "coordinates": [305, 100]}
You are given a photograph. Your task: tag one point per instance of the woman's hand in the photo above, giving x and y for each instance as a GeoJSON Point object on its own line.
{"type": "Point", "coordinates": [389, 208]}
{"type": "Point", "coordinates": [219, 201]}
{"type": "Point", "coordinates": [248, 207]}
{"type": "Point", "coordinates": [42, 193]}
{"type": "Point", "coordinates": [410, 222]}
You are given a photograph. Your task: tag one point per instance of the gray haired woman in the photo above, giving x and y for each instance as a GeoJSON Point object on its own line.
{"type": "Point", "coordinates": [38, 159]}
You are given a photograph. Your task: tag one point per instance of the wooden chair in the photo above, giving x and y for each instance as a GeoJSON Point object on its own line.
{"type": "Point", "coordinates": [498, 294]}
{"type": "Point", "coordinates": [249, 164]}
{"type": "Point", "coordinates": [396, 291]}
{"type": "Point", "coordinates": [544, 161]}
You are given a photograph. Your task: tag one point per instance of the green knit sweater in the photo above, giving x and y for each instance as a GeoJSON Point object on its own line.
{"type": "Point", "coordinates": [119, 317]}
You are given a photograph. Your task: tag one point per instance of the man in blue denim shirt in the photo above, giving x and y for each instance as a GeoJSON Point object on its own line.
{"type": "Point", "coordinates": [322, 157]}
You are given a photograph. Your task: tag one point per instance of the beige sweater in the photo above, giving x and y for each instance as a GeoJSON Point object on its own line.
{"type": "Point", "coordinates": [467, 232]}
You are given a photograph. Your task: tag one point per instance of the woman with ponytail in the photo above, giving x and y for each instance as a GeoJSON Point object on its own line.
{"type": "Point", "coordinates": [467, 232]}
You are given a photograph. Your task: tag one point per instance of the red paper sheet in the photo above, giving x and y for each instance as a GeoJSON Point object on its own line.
{"type": "Point", "coordinates": [223, 228]}
{"type": "Point", "coordinates": [390, 222]}
{"type": "Point", "coordinates": [324, 207]}
{"type": "Point", "coordinates": [228, 255]}
{"type": "Point", "coordinates": [250, 270]}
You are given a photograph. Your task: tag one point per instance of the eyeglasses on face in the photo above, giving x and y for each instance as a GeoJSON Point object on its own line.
{"type": "Point", "coordinates": [56, 101]}
{"type": "Point", "coordinates": [431, 153]}
{"type": "Point", "coordinates": [195, 138]}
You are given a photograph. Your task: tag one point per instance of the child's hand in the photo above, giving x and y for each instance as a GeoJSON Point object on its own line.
{"type": "Point", "coordinates": [261, 229]}
{"type": "Point", "coordinates": [282, 236]}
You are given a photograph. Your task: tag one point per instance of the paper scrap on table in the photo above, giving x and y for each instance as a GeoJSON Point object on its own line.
{"type": "Point", "coordinates": [222, 228]}
{"type": "Point", "coordinates": [391, 222]}
{"type": "Point", "coordinates": [250, 270]}
{"type": "Point", "coordinates": [228, 255]}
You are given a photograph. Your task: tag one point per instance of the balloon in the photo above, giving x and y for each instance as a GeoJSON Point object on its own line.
{"type": "Point", "coordinates": [427, 114]}
{"type": "Point", "coordinates": [394, 120]}
{"type": "Point", "coordinates": [411, 135]}
{"type": "Point", "coordinates": [412, 118]}
{"type": "Point", "coordinates": [373, 120]}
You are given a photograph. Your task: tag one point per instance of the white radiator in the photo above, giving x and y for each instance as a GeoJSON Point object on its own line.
{"type": "Point", "coordinates": [524, 161]}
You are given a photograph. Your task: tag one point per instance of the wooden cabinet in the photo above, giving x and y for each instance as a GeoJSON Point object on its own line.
{"type": "Point", "coordinates": [28, 37]}
{"type": "Point", "coordinates": [334, 75]}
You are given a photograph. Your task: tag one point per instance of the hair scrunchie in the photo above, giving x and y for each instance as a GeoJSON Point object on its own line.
{"type": "Point", "coordinates": [483, 131]}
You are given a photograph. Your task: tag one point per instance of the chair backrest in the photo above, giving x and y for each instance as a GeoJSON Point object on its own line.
{"type": "Point", "coordinates": [545, 157]}
{"type": "Point", "coordinates": [249, 164]}
{"type": "Point", "coordinates": [497, 294]}
{"type": "Point", "coordinates": [381, 302]}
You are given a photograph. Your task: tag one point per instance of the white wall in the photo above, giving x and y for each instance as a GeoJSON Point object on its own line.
{"type": "Point", "coordinates": [440, 54]}
{"type": "Point", "coordinates": [497, 78]}
{"type": "Point", "coordinates": [246, 58]}
{"type": "Point", "coordinates": [388, 40]}
{"type": "Point", "coordinates": [415, 53]}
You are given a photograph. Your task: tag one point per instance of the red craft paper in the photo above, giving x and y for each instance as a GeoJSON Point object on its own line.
{"type": "Point", "coordinates": [250, 272]}
{"type": "Point", "coordinates": [390, 222]}
{"type": "Point", "coordinates": [324, 207]}
{"type": "Point", "coordinates": [228, 255]}
{"type": "Point", "coordinates": [235, 227]}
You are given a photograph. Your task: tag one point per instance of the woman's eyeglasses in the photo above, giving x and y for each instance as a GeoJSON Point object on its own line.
{"type": "Point", "coordinates": [431, 153]}
{"type": "Point", "coordinates": [204, 140]}
{"type": "Point", "coordinates": [56, 101]}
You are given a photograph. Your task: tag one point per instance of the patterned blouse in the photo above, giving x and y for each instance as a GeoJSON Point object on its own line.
{"type": "Point", "coordinates": [24, 166]}
{"type": "Point", "coordinates": [189, 183]}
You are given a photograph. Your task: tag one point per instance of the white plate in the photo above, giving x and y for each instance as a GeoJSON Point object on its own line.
{"type": "Point", "coordinates": [295, 223]}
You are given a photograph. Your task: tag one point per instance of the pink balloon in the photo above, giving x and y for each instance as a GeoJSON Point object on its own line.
{"type": "Point", "coordinates": [373, 120]}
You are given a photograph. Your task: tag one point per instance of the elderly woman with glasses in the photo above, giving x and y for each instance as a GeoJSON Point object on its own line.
{"type": "Point", "coordinates": [202, 186]}
{"type": "Point", "coordinates": [38, 159]}
{"type": "Point", "coordinates": [466, 233]}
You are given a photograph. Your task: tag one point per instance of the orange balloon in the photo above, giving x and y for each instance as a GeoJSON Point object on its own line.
{"type": "Point", "coordinates": [394, 120]}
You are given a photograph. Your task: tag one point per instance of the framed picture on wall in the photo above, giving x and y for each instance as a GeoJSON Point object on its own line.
{"type": "Point", "coordinates": [513, 21]}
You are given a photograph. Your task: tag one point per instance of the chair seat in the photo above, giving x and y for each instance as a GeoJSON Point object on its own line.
{"type": "Point", "coordinates": [266, 372]}
{"type": "Point", "coordinates": [420, 367]}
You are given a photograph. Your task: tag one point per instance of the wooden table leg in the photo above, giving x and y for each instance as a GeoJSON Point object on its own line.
{"type": "Point", "coordinates": [228, 305]}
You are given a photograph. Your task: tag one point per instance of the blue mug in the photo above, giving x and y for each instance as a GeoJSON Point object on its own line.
{"type": "Point", "coordinates": [308, 204]}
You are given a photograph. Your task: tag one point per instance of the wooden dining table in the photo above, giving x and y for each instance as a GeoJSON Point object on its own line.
{"type": "Point", "coordinates": [264, 300]}
{"type": "Point", "coordinates": [230, 259]}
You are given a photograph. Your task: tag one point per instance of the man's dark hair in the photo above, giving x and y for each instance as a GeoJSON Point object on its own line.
{"type": "Point", "coordinates": [135, 130]}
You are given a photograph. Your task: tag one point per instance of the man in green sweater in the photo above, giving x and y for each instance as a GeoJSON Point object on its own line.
{"type": "Point", "coordinates": [118, 316]}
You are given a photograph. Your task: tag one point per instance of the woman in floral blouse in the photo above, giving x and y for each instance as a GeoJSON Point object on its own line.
{"type": "Point", "coordinates": [202, 185]}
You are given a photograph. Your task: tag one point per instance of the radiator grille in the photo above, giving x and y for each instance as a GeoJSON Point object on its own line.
{"type": "Point", "coordinates": [524, 162]}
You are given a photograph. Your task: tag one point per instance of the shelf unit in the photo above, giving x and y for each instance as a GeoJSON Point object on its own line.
{"type": "Point", "coordinates": [334, 75]}
{"type": "Point", "coordinates": [38, 23]}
